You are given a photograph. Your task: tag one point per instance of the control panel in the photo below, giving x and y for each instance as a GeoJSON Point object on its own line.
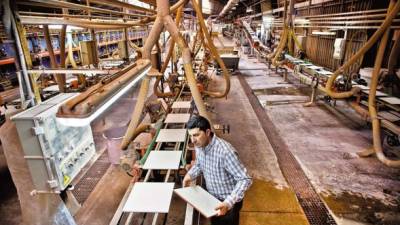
{"type": "Point", "coordinates": [55, 153]}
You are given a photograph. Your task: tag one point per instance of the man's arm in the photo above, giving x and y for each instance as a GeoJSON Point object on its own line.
{"type": "Point", "coordinates": [194, 172]}
{"type": "Point", "coordinates": [239, 172]}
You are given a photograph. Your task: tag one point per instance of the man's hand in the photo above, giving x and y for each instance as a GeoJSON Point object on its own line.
{"type": "Point", "coordinates": [186, 180]}
{"type": "Point", "coordinates": [222, 208]}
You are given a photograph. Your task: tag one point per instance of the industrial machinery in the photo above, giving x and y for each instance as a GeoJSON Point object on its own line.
{"type": "Point", "coordinates": [55, 153]}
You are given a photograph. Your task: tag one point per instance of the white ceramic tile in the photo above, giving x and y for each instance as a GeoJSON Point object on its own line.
{"type": "Point", "coordinates": [149, 197]}
{"type": "Point", "coordinates": [200, 199]}
{"type": "Point", "coordinates": [362, 87]}
{"type": "Point", "coordinates": [163, 160]}
{"type": "Point", "coordinates": [171, 135]}
{"type": "Point", "coordinates": [391, 100]}
{"type": "Point", "coordinates": [378, 93]}
{"type": "Point", "coordinates": [181, 105]}
{"type": "Point", "coordinates": [177, 118]}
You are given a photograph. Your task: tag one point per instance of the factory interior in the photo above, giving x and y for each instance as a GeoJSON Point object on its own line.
{"type": "Point", "coordinates": [96, 96]}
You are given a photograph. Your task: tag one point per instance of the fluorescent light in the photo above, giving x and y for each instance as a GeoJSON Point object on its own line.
{"type": "Point", "coordinates": [323, 33]}
{"type": "Point", "coordinates": [80, 122]}
{"type": "Point", "coordinates": [58, 27]}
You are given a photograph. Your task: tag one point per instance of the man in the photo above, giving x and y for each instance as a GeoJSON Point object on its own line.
{"type": "Point", "coordinates": [225, 176]}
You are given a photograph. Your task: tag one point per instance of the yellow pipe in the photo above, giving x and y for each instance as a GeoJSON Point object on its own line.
{"type": "Point", "coordinates": [376, 128]}
{"type": "Point", "coordinates": [328, 89]}
{"type": "Point", "coordinates": [167, 59]}
{"type": "Point", "coordinates": [281, 45]}
{"type": "Point", "coordinates": [187, 65]}
{"type": "Point", "coordinates": [148, 46]}
{"type": "Point", "coordinates": [137, 112]}
{"type": "Point", "coordinates": [214, 53]}
{"type": "Point", "coordinates": [296, 41]}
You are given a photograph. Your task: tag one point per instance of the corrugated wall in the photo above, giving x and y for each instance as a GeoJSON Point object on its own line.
{"type": "Point", "coordinates": [319, 48]}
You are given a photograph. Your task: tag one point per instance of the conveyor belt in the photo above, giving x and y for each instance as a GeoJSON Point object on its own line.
{"type": "Point", "coordinates": [314, 209]}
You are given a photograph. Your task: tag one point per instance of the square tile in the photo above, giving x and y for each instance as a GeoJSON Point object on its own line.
{"type": "Point", "coordinates": [378, 93]}
{"type": "Point", "coordinates": [177, 118]}
{"type": "Point", "coordinates": [171, 135]}
{"type": "Point", "coordinates": [149, 197]}
{"type": "Point", "coordinates": [181, 105]}
{"type": "Point", "coordinates": [163, 160]}
{"type": "Point", "coordinates": [200, 199]}
{"type": "Point", "coordinates": [391, 100]}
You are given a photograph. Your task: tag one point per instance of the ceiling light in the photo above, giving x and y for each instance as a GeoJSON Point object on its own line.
{"type": "Point", "coordinates": [323, 33]}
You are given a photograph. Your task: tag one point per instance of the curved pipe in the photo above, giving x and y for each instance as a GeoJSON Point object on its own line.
{"type": "Point", "coordinates": [163, 19]}
{"type": "Point", "coordinates": [140, 129]}
{"type": "Point", "coordinates": [148, 46]}
{"type": "Point", "coordinates": [214, 53]}
{"type": "Point", "coordinates": [136, 113]}
{"type": "Point", "coordinates": [187, 64]}
{"type": "Point", "coordinates": [376, 128]}
{"type": "Point", "coordinates": [167, 59]}
{"type": "Point", "coordinates": [281, 46]}
{"type": "Point", "coordinates": [134, 46]}
{"type": "Point", "coordinates": [385, 25]}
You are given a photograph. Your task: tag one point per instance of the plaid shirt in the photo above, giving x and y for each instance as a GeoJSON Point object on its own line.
{"type": "Point", "coordinates": [226, 177]}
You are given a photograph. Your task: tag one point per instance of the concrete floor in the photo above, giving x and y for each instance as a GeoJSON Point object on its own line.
{"type": "Point", "coordinates": [10, 211]}
{"type": "Point", "coordinates": [325, 141]}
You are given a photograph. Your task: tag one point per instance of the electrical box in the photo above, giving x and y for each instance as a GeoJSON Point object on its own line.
{"type": "Point", "coordinates": [55, 153]}
{"type": "Point", "coordinates": [338, 48]}
{"type": "Point", "coordinates": [88, 52]}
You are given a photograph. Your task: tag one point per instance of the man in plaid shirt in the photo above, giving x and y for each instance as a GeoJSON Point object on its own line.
{"type": "Point", "coordinates": [226, 177]}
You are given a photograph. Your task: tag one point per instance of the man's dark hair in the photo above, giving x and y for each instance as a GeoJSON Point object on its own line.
{"type": "Point", "coordinates": [198, 122]}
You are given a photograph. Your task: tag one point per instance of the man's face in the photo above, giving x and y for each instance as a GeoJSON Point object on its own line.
{"type": "Point", "coordinates": [200, 138]}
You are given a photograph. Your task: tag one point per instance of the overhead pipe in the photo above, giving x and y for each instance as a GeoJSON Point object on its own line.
{"type": "Point", "coordinates": [376, 128]}
{"type": "Point", "coordinates": [86, 23]}
{"type": "Point", "coordinates": [385, 25]}
{"type": "Point", "coordinates": [166, 61]}
{"type": "Point", "coordinates": [163, 19]}
{"type": "Point", "coordinates": [186, 57]}
{"type": "Point", "coordinates": [135, 118]}
{"type": "Point", "coordinates": [228, 6]}
{"type": "Point", "coordinates": [214, 54]}
{"type": "Point", "coordinates": [27, 13]}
